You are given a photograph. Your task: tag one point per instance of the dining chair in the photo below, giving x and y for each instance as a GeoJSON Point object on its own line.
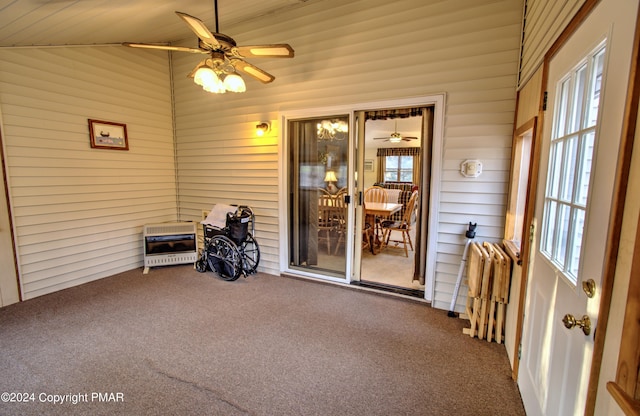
{"type": "Point", "coordinates": [326, 224]}
{"type": "Point", "coordinates": [376, 194]}
{"type": "Point", "coordinates": [403, 226]}
{"type": "Point", "coordinates": [340, 218]}
{"type": "Point", "coordinates": [366, 236]}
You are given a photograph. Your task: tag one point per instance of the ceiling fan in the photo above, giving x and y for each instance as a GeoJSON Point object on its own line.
{"type": "Point", "coordinates": [217, 73]}
{"type": "Point", "coordinates": [396, 137]}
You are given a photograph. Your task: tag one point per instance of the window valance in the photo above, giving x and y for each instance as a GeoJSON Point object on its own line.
{"type": "Point", "coordinates": [398, 151]}
{"type": "Point", "coordinates": [391, 114]}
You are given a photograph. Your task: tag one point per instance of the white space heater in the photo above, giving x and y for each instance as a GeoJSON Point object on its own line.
{"type": "Point", "coordinates": [169, 243]}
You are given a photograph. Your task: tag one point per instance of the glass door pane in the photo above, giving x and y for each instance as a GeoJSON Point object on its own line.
{"type": "Point", "coordinates": [570, 165]}
{"type": "Point", "coordinates": [318, 168]}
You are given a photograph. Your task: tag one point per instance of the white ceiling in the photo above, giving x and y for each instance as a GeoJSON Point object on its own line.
{"type": "Point", "coordinates": [27, 23]}
{"type": "Point", "coordinates": [89, 22]}
{"type": "Point", "coordinates": [383, 128]}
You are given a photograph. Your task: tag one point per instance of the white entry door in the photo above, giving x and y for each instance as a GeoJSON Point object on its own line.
{"type": "Point", "coordinates": [581, 135]}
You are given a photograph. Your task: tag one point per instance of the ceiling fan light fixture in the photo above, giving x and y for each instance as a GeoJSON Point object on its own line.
{"type": "Point", "coordinates": [215, 86]}
{"type": "Point", "coordinates": [234, 83]}
{"type": "Point", "coordinates": [217, 74]}
{"type": "Point", "coordinates": [204, 76]}
{"type": "Point", "coordinates": [395, 139]}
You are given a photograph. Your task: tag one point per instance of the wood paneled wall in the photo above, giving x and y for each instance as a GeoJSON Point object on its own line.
{"type": "Point", "coordinates": [78, 212]}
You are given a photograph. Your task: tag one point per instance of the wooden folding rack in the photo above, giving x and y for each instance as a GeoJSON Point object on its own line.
{"type": "Point", "coordinates": [488, 279]}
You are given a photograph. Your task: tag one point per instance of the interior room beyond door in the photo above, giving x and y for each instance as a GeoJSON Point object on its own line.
{"type": "Point", "coordinates": [391, 166]}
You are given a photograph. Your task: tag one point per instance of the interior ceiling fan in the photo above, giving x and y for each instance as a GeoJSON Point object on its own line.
{"type": "Point", "coordinates": [396, 137]}
{"type": "Point", "coordinates": [225, 56]}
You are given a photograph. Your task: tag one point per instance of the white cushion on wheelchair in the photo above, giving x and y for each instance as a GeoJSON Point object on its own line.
{"type": "Point", "coordinates": [218, 215]}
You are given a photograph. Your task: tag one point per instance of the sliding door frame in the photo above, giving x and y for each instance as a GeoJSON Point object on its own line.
{"type": "Point", "coordinates": [438, 102]}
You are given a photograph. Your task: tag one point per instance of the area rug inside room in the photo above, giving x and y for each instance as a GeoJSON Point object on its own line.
{"type": "Point", "coordinates": [176, 341]}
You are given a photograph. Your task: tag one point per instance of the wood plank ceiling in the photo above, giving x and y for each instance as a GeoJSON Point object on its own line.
{"type": "Point", "coordinates": [38, 23]}
{"type": "Point", "coordinates": [90, 22]}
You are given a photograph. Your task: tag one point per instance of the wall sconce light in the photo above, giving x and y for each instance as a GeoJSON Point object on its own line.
{"type": "Point", "coordinates": [262, 129]}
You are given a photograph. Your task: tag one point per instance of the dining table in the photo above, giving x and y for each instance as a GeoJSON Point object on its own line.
{"type": "Point", "coordinates": [372, 210]}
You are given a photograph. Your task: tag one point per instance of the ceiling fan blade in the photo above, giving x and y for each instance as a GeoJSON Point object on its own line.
{"type": "Point", "coordinates": [409, 138]}
{"type": "Point", "coordinates": [280, 50]}
{"type": "Point", "coordinates": [164, 47]}
{"type": "Point", "coordinates": [380, 138]}
{"type": "Point", "coordinates": [252, 70]}
{"type": "Point", "coordinates": [200, 29]}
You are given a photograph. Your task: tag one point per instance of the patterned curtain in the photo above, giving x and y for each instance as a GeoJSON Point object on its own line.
{"type": "Point", "coordinates": [422, 227]}
{"type": "Point", "coordinates": [391, 114]}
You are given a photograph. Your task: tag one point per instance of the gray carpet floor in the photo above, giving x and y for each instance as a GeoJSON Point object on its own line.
{"type": "Point", "coordinates": [177, 342]}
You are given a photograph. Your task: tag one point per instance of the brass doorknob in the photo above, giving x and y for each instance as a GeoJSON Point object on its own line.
{"type": "Point", "coordinates": [585, 323]}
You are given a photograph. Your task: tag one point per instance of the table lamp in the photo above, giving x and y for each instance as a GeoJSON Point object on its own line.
{"type": "Point", "coordinates": [330, 179]}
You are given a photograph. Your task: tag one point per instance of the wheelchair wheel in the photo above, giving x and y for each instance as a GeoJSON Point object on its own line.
{"type": "Point", "coordinates": [250, 254]}
{"type": "Point", "coordinates": [224, 258]}
{"type": "Point", "coordinates": [201, 265]}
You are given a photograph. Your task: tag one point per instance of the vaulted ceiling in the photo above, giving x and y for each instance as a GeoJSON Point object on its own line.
{"type": "Point", "coordinates": [88, 22]}
{"type": "Point", "coordinates": [27, 23]}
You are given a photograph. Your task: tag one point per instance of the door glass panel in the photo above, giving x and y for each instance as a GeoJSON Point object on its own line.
{"type": "Point", "coordinates": [556, 166]}
{"type": "Point", "coordinates": [550, 218]}
{"type": "Point", "coordinates": [318, 161]}
{"type": "Point", "coordinates": [596, 85]}
{"type": "Point", "coordinates": [578, 99]}
{"type": "Point", "coordinates": [578, 226]}
{"type": "Point", "coordinates": [569, 168]}
{"type": "Point", "coordinates": [584, 174]}
{"type": "Point", "coordinates": [563, 101]}
{"type": "Point", "coordinates": [562, 233]}
{"type": "Point", "coordinates": [570, 162]}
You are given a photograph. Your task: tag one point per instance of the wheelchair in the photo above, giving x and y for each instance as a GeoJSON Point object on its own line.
{"type": "Point", "coordinates": [230, 251]}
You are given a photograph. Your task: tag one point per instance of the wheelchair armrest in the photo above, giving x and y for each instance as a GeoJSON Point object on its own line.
{"type": "Point", "coordinates": [210, 230]}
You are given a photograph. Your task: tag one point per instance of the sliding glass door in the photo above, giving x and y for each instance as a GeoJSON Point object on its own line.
{"type": "Point", "coordinates": [318, 160]}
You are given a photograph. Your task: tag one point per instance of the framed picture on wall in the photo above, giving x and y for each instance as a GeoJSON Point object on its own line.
{"type": "Point", "coordinates": [108, 135]}
{"type": "Point", "coordinates": [368, 165]}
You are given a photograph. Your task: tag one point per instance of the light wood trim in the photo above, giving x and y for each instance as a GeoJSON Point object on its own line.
{"type": "Point", "coordinates": [528, 125]}
{"type": "Point", "coordinates": [626, 389]}
{"type": "Point", "coordinates": [577, 20]}
{"type": "Point", "coordinates": [532, 187]}
{"type": "Point", "coordinates": [628, 405]}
